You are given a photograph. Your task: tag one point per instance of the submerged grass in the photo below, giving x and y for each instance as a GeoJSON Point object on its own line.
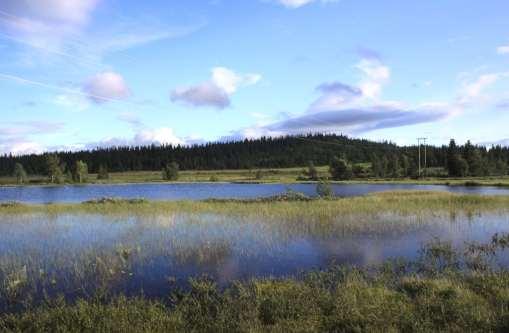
{"type": "Point", "coordinates": [440, 291]}
{"type": "Point", "coordinates": [446, 288]}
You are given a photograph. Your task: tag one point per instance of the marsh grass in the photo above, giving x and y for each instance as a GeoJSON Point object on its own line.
{"type": "Point", "coordinates": [433, 293]}
{"type": "Point", "coordinates": [403, 202]}
{"type": "Point", "coordinates": [92, 285]}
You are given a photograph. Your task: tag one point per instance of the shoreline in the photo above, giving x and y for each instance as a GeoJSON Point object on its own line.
{"type": "Point", "coordinates": [446, 182]}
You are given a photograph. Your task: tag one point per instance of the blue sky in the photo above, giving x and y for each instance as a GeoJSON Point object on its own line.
{"type": "Point", "coordinates": [84, 73]}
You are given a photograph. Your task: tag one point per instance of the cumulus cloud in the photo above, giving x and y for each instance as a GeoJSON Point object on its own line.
{"type": "Point", "coordinates": [376, 75]}
{"type": "Point", "coordinates": [215, 92]}
{"type": "Point", "coordinates": [106, 86]}
{"type": "Point", "coordinates": [202, 95]}
{"type": "Point", "coordinates": [349, 109]}
{"type": "Point", "coordinates": [335, 95]}
{"type": "Point", "coordinates": [20, 147]}
{"type": "Point", "coordinates": [503, 49]}
{"type": "Point", "coordinates": [162, 136]}
{"type": "Point", "coordinates": [142, 137]}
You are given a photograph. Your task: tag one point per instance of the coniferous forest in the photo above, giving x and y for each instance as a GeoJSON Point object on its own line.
{"type": "Point", "coordinates": [386, 159]}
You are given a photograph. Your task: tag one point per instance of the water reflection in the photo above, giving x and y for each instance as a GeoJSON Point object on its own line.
{"type": "Point", "coordinates": [201, 191]}
{"type": "Point", "coordinates": [77, 255]}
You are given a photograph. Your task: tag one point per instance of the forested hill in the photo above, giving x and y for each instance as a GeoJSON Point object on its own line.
{"type": "Point", "coordinates": [289, 151]}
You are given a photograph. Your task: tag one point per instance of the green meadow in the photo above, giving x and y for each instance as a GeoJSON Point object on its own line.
{"type": "Point", "coordinates": [272, 175]}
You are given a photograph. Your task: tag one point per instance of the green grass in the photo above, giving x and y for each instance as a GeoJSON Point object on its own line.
{"type": "Point", "coordinates": [283, 175]}
{"type": "Point", "coordinates": [404, 202]}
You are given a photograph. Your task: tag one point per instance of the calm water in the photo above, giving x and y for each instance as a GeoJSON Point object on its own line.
{"type": "Point", "coordinates": [165, 250]}
{"type": "Point", "coordinates": [200, 191]}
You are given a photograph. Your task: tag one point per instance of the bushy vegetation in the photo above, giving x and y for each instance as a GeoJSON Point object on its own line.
{"type": "Point", "coordinates": [20, 173]}
{"type": "Point", "coordinates": [340, 169]}
{"type": "Point", "coordinates": [102, 173]}
{"type": "Point", "coordinates": [171, 171]}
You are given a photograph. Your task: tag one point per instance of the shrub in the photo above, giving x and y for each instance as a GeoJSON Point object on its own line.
{"type": "Point", "coordinates": [324, 189]}
{"type": "Point", "coordinates": [171, 171]}
{"type": "Point", "coordinates": [340, 169]}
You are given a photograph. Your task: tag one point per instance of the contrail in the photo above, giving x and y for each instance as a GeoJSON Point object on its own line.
{"type": "Point", "coordinates": [67, 90]}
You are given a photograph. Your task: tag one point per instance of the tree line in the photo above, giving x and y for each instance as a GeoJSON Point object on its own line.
{"type": "Point", "coordinates": [356, 157]}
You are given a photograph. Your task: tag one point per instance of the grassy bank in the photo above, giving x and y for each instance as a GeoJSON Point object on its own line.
{"type": "Point", "coordinates": [404, 202]}
{"type": "Point", "coordinates": [284, 175]}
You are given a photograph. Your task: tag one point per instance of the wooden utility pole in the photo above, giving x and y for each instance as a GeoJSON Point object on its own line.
{"type": "Point", "coordinates": [419, 140]}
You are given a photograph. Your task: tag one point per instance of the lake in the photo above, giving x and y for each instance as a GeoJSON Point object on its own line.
{"type": "Point", "coordinates": [201, 191]}
{"type": "Point", "coordinates": [151, 254]}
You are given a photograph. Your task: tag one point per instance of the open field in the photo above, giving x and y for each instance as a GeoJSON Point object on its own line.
{"type": "Point", "coordinates": [301, 264]}
{"type": "Point", "coordinates": [283, 175]}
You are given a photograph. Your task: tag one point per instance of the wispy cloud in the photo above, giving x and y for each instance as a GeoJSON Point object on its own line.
{"type": "Point", "coordinates": [474, 90]}
{"type": "Point", "coordinates": [300, 3]}
{"type": "Point", "coordinates": [18, 137]}
{"type": "Point", "coordinates": [62, 29]}
{"type": "Point", "coordinates": [503, 49]}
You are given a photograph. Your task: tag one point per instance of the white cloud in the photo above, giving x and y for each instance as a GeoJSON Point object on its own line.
{"type": "Point", "coordinates": [376, 76]}
{"type": "Point", "coordinates": [17, 137]}
{"type": "Point", "coordinates": [51, 30]}
{"type": "Point", "coordinates": [21, 147]}
{"type": "Point", "coordinates": [161, 136]}
{"type": "Point", "coordinates": [217, 91]}
{"type": "Point", "coordinates": [335, 95]}
{"type": "Point", "coordinates": [348, 109]}
{"type": "Point", "coordinates": [72, 102]}
{"type": "Point", "coordinates": [205, 94]}
{"type": "Point", "coordinates": [300, 3]}
{"type": "Point", "coordinates": [45, 22]}
{"type": "Point", "coordinates": [503, 50]}
{"type": "Point", "coordinates": [68, 11]}
{"type": "Point", "coordinates": [106, 86]}
{"type": "Point", "coordinates": [473, 91]}
{"type": "Point", "coordinates": [229, 81]}
{"type": "Point", "coordinates": [143, 137]}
